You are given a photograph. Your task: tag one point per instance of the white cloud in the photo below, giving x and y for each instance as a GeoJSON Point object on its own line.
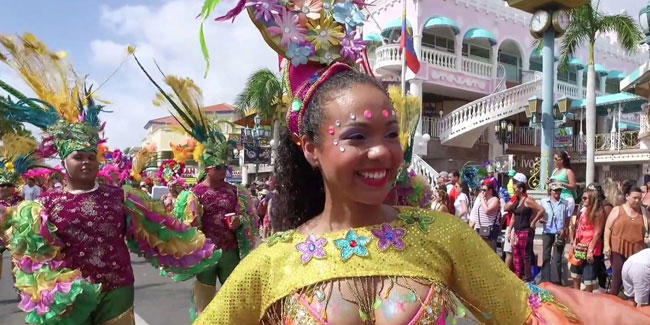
{"type": "Point", "coordinates": [169, 34]}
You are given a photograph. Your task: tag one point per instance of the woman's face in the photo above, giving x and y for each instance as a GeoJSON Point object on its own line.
{"type": "Point", "coordinates": [557, 160]}
{"type": "Point", "coordinates": [634, 199]}
{"type": "Point", "coordinates": [359, 151]}
{"type": "Point", "coordinates": [458, 188]}
{"type": "Point", "coordinates": [82, 166]}
{"type": "Point", "coordinates": [585, 200]}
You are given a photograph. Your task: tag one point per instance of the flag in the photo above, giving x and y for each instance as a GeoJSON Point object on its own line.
{"type": "Point", "coordinates": [407, 47]}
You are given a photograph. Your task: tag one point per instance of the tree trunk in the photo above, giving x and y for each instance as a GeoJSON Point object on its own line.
{"type": "Point", "coordinates": [591, 124]}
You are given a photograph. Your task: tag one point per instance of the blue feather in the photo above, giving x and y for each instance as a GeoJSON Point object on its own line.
{"type": "Point", "coordinates": [23, 111]}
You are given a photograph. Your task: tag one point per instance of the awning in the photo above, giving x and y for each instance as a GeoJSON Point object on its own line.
{"type": "Point", "coordinates": [372, 37]}
{"type": "Point", "coordinates": [628, 126]}
{"type": "Point", "coordinates": [480, 33]}
{"type": "Point", "coordinates": [441, 21]}
{"type": "Point", "coordinates": [628, 102]}
{"type": "Point", "coordinates": [600, 69]}
{"type": "Point", "coordinates": [394, 24]}
{"type": "Point", "coordinates": [615, 74]}
{"type": "Point", "coordinates": [638, 81]}
{"type": "Point", "coordinates": [537, 53]}
{"type": "Point", "coordinates": [576, 62]}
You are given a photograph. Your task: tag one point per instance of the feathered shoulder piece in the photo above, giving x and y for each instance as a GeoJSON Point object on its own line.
{"type": "Point", "coordinates": [65, 107]}
{"type": "Point", "coordinates": [185, 103]}
{"type": "Point", "coordinates": [17, 156]}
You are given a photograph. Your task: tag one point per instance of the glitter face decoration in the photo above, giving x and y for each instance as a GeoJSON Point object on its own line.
{"type": "Point", "coordinates": [385, 113]}
{"type": "Point", "coordinates": [353, 117]}
{"type": "Point", "coordinates": [367, 114]}
{"type": "Point", "coordinates": [338, 123]}
{"type": "Point", "coordinates": [330, 130]}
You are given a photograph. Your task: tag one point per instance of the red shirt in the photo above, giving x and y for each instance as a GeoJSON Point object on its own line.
{"type": "Point", "coordinates": [452, 198]}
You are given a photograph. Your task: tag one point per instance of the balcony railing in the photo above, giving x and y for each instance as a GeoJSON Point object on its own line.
{"type": "Point", "coordinates": [526, 136]}
{"type": "Point", "coordinates": [568, 89]}
{"type": "Point", "coordinates": [391, 55]}
{"type": "Point", "coordinates": [430, 126]}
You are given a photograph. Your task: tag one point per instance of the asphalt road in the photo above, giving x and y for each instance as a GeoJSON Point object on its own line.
{"type": "Point", "coordinates": [158, 300]}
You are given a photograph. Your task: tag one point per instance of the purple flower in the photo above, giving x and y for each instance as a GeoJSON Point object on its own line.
{"type": "Point", "coordinates": [351, 48]}
{"type": "Point", "coordinates": [312, 248]}
{"type": "Point", "coordinates": [389, 237]}
{"type": "Point", "coordinates": [265, 9]}
{"type": "Point", "coordinates": [289, 28]}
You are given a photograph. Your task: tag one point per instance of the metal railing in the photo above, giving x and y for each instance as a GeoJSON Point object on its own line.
{"type": "Point", "coordinates": [613, 141]}
{"type": "Point", "coordinates": [430, 126]}
{"type": "Point", "coordinates": [526, 136]}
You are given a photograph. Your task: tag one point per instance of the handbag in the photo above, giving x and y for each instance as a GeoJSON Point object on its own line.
{"type": "Point", "coordinates": [580, 251]}
{"type": "Point", "coordinates": [486, 231]}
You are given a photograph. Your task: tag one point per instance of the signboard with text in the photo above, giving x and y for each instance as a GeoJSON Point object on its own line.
{"type": "Point", "coordinates": [563, 137]}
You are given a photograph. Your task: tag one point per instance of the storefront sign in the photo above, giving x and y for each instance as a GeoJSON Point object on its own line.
{"type": "Point", "coordinates": [257, 155]}
{"type": "Point", "coordinates": [563, 137]}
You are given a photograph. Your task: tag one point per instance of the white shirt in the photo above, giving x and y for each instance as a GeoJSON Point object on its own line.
{"type": "Point", "coordinates": [31, 193]}
{"type": "Point", "coordinates": [449, 188]}
{"type": "Point", "coordinates": [458, 204]}
{"type": "Point", "coordinates": [640, 258]}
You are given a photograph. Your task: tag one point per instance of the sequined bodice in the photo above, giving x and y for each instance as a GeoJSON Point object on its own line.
{"type": "Point", "coordinates": [10, 201]}
{"type": "Point", "coordinates": [216, 204]}
{"type": "Point", "coordinates": [92, 228]}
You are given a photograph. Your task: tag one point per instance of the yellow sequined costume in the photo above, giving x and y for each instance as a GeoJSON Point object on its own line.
{"type": "Point", "coordinates": [274, 285]}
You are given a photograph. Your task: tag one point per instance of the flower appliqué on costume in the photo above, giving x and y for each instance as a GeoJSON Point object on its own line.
{"type": "Point", "coordinates": [352, 244]}
{"type": "Point", "coordinates": [389, 236]}
{"type": "Point", "coordinates": [415, 217]}
{"type": "Point", "coordinates": [312, 248]}
{"type": "Point", "coordinates": [282, 236]}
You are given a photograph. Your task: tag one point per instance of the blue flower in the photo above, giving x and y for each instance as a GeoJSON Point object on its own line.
{"type": "Point", "coordinates": [347, 13]}
{"type": "Point", "coordinates": [298, 54]}
{"type": "Point", "coordinates": [352, 244]}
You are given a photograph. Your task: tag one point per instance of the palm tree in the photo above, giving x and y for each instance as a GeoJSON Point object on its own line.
{"type": "Point", "coordinates": [586, 24]}
{"type": "Point", "coordinates": [263, 94]}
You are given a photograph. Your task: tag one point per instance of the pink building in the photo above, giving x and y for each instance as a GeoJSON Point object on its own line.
{"type": "Point", "coordinates": [479, 67]}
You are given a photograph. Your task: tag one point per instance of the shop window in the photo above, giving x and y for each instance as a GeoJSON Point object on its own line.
{"type": "Point", "coordinates": [567, 75]}
{"type": "Point", "coordinates": [476, 52]}
{"type": "Point", "coordinates": [612, 86]}
{"type": "Point", "coordinates": [438, 42]}
{"type": "Point", "coordinates": [512, 63]}
{"type": "Point", "coordinates": [536, 66]}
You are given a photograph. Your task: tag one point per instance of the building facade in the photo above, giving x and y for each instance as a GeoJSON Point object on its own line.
{"type": "Point", "coordinates": [479, 66]}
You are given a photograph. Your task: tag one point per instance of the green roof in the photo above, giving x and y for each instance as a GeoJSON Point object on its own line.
{"type": "Point", "coordinates": [394, 24]}
{"type": "Point", "coordinates": [480, 33]}
{"type": "Point", "coordinates": [575, 61]}
{"type": "Point", "coordinates": [438, 21]}
{"type": "Point", "coordinates": [372, 37]}
{"type": "Point", "coordinates": [629, 103]}
{"type": "Point", "coordinates": [615, 74]}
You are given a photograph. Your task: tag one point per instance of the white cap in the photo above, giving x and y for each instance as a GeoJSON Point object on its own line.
{"type": "Point", "coordinates": [519, 177]}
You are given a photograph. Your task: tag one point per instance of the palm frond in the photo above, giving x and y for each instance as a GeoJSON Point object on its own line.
{"type": "Point", "coordinates": [262, 93]}
{"type": "Point", "coordinates": [628, 32]}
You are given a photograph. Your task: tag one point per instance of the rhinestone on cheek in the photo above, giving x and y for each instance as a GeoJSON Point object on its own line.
{"type": "Point", "coordinates": [385, 113]}
{"type": "Point", "coordinates": [341, 149]}
{"type": "Point", "coordinates": [338, 123]}
{"type": "Point", "coordinates": [367, 114]}
{"type": "Point", "coordinates": [353, 117]}
{"type": "Point", "coordinates": [335, 142]}
{"type": "Point", "coordinates": [330, 130]}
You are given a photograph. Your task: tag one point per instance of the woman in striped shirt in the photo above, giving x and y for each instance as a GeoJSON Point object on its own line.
{"type": "Point", "coordinates": [485, 213]}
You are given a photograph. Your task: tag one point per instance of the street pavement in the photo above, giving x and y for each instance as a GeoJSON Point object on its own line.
{"type": "Point", "coordinates": [158, 300]}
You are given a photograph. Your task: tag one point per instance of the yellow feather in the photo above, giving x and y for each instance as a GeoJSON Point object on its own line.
{"type": "Point", "coordinates": [14, 145]}
{"type": "Point", "coordinates": [142, 159]}
{"type": "Point", "coordinates": [45, 72]}
{"type": "Point", "coordinates": [408, 113]}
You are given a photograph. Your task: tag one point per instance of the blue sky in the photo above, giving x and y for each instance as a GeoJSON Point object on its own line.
{"type": "Point", "coordinates": [95, 35]}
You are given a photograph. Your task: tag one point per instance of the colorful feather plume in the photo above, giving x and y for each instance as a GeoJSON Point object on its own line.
{"type": "Point", "coordinates": [408, 113]}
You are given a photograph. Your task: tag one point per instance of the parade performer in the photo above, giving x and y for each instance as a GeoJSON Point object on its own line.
{"type": "Point", "coordinates": [70, 247]}
{"type": "Point", "coordinates": [169, 174]}
{"type": "Point", "coordinates": [17, 157]}
{"type": "Point", "coordinates": [347, 257]}
{"type": "Point", "coordinates": [229, 218]}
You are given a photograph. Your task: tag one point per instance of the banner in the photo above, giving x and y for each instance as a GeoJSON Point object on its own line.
{"type": "Point", "coordinates": [563, 137]}
{"type": "Point", "coordinates": [257, 155]}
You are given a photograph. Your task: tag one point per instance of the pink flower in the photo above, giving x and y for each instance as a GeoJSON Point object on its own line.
{"type": "Point", "coordinates": [265, 9]}
{"type": "Point", "coordinates": [308, 8]}
{"type": "Point", "coordinates": [289, 28]}
{"type": "Point", "coordinates": [312, 248]}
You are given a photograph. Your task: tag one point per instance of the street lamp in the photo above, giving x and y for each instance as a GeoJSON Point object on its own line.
{"type": "Point", "coordinates": [503, 131]}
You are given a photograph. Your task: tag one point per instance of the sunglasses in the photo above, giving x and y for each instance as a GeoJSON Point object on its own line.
{"type": "Point", "coordinates": [6, 185]}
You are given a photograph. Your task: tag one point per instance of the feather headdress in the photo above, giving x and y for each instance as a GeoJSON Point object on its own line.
{"type": "Point", "coordinates": [141, 160]}
{"type": "Point", "coordinates": [408, 110]}
{"type": "Point", "coordinates": [65, 107]}
{"type": "Point", "coordinates": [185, 103]}
{"type": "Point", "coordinates": [17, 156]}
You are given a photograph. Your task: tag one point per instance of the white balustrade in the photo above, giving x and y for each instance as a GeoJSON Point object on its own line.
{"type": "Point", "coordinates": [475, 67]}
{"type": "Point", "coordinates": [524, 135]}
{"type": "Point", "coordinates": [440, 59]}
{"type": "Point", "coordinates": [489, 109]}
{"type": "Point", "coordinates": [430, 126]}
{"type": "Point", "coordinates": [568, 89]}
{"type": "Point", "coordinates": [422, 168]}
{"type": "Point", "coordinates": [388, 55]}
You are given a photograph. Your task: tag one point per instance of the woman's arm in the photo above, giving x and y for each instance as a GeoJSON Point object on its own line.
{"type": "Point", "coordinates": [491, 206]}
{"type": "Point", "coordinates": [464, 207]}
{"type": "Point", "coordinates": [608, 230]}
{"type": "Point", "coordinates": [535, 206]}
